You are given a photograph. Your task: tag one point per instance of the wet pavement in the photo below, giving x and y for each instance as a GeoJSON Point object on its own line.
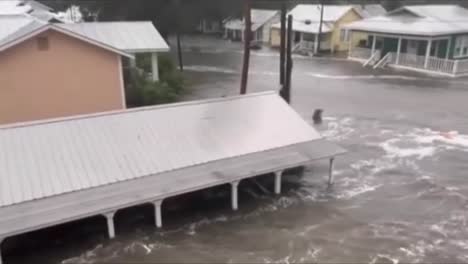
{"type": "Point", "coordinates": [401, 193]}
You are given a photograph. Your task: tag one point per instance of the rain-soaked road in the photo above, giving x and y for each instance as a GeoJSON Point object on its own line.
{"type": "Point", "coordinates": [401, 194]}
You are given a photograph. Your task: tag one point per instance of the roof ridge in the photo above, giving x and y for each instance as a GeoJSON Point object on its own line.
{"type": "Point", "coordinates": [132, 110]}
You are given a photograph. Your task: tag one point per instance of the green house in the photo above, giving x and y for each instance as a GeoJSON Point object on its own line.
{"type": "Point", "coordinates": [426, 38]}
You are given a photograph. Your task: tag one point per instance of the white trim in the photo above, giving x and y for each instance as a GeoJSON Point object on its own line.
{"type": "Point", "coordinates": [63, 31]}
{"type": "Point", "coordinates": [122, 84]}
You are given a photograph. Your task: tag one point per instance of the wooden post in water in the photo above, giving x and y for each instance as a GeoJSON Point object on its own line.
{"type": "Point", "coordinates": [247, 37]}
{"type": "Point", "coordinates": [282, 43]}
{"type": "Point", "coordinates": [319, 38]}
{"type": "Point", "coordinates": [286, 91]}
{"type": "Point", "coordinates": [179, 48]}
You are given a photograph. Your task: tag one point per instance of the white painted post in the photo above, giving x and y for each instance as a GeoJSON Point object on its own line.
{"type": "Point", "coordinates": [330, 172]}
{"type": "Point", "coordinates": [133, 61]}
{"type": "Point", "coordinates": [110, 224]}
{"type": "Point", "coordinates": [428, 53]}
{"type": "Point", "coordinates": [449, 46]}
{"type": "Point", "coordinates": [154, 66]}
{"type": "Point", "coordinates": [455, 67]}
{"type": "Point", "coordinates": [374, 43]}
{"type": "Point", "coordinates": [316, 43]}
{"type": "Point", "coordinates": [157, 213]}
{"type": "Point", "coordinates": [234, 195]}
{"type": "Point", "coordinates": [397, 61]}
{"type": "Point", "coordinates": [278, 175]}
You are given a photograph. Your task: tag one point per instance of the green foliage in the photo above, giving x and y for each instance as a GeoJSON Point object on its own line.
{"type": "Point", "coordinates": [142, 91]}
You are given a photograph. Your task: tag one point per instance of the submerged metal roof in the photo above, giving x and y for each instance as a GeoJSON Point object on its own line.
{"type": "Point", "coordinates": [331, 13]}
{"type": "Point", "coordinates": [126, 36]}
{"type": "Point", "coordinates": [426, 20]}
{"type": "Point", "coordinates": [53, 157]}
{"type": "Point", "coordinates": [259, 18]}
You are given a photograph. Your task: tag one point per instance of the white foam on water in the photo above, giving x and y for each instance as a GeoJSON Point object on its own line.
{"type": "Point", "coordinates": [359, 190]}
{"type": "Point", "coordinates": [338, 130]}
{"type": "Point", "coordinates": [394, 150]}
{"type": "Point", "coordinates": [204, 222]}
{"type": "Point", "coordinates": [362, 77]}
{"type": "Point", "coordinates": [204, 68]}
{"type": "Point", "coordinates": [445, 139]}
{"type": "Point", "coordinates": [384, 258]}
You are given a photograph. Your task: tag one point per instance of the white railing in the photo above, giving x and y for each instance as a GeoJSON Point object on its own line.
{"type": "Point", "coordinates": [384, 61]}
{"type": "Point", "coordinates": [375, 57]}
{"type": "Point", "coordinates": [419, 62]}
{"type": "Point", "coordinates": [360, 53]}
{"type": "Point", "coordinates": [307, 45]}
{"type": "Point", "coordinates": [462, 67]}
{"type": "Point", "coordinates": [310, 45]}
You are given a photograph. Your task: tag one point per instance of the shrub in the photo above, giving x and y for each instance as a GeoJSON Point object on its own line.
{"type": "Point", "coordinates": [142, 91]}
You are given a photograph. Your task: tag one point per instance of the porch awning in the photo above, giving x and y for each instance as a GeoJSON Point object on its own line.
{"type": "Point", "coordinates": [404, 25]}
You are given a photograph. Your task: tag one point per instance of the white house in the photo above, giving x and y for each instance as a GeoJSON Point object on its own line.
{"type": "Point", "coordinates": [262, 20]}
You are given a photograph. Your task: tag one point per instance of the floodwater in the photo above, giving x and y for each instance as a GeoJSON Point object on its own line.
{"type": "Point", "coordinates": [401, 193]}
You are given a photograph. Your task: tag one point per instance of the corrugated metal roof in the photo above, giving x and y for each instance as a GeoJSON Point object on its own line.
{"type": "Point", "coordinates": [331, 13]}
{"type": "Point", "coordinates": [127, 36]}
{"type": "Point", "coordinates": [313, 27]}
{"type": "Point", "coordinates": [259, 18]}
{"type": "Point", "coordinates": [417, 20]}
{"type": "Point", "coordinates": [12, 7]}
{"type": "Point", "coordinates": [14, 26]}
{"type": "Point", "coordinates": [49, 158]}
{"type": "Point", "coordinates": [372, 10]}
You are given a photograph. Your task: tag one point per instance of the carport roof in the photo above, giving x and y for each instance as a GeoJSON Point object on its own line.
{"type": "Point", "coordinates": [54, 157]}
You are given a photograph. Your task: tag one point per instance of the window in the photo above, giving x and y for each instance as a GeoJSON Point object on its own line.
{"type": "Point", "coordinates": [42, 43]}
{"type": "Point", "coordinates": [344, 35]}
{"type": "Point", "coordinates": [461, 46]}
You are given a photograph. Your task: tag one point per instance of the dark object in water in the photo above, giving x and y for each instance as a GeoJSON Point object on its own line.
{"type": "Point", "coordinates": [317, 116]}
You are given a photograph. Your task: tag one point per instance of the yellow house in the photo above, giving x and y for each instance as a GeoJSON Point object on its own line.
{"type": "Point", "coordinates": [306, 23]}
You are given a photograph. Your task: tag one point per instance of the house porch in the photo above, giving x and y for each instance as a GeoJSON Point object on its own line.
{"type": "Point", "coordinates": [425, 54]}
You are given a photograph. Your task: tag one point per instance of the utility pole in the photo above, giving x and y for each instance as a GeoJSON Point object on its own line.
{"type": "Point", "coordinates": [319, 38]}
{"type": "Point", "coordinates": [247, 37]}
{"type": "Point", "coordinates": [282, 43]}
{"type": "Point", "coordinates": [179, 48]}
{"type": "Point", "coordinates": [286, 91]}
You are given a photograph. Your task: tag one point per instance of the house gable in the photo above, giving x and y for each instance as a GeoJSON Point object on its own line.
{"type": "Point", "coordinates": [60, 76]}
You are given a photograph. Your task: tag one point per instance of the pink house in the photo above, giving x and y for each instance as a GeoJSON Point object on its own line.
{"type": "Point", "coordinates": [55, 70]}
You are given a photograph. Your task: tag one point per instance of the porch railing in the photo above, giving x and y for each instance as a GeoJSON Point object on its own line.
{"type": "Point", "coordinates": [462, 67]}
{"type": "Point", "coordinates": [310, 45]}
{"type": "Point", "coordinates": [419, 62]}
{"type": "Point", "coordinates": [360, 53]}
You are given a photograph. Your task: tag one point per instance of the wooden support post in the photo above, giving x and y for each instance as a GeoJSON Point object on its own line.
{"type": "Point", "coordinates": [110, 224]}
{"type": "Point", "coordinates": [350, 43]}
{"type": "Point", "coordinates": [247, 38]}
{"type": "Point", "coordinates": [283, 43]}
{"type": "Point", "coordinates": [397, 61]}
{"type": "Point", "coordinates": [316, 45]}
{"type": "Point", "coordinates": [320, 27]}
{"type": "Point", "coordinates": [155, 66]}
{"type": "Point", "coordinates": [428, 53]}
{"type": "Point", "coordinates": [286, 91]}
{"type": "Point", "coordinates": [278, 175]}
{"type": "Point", "coordinates": [1, 257]}
{"type": "Point", "coordinates": [157, 213]}
{"type": "Point", "coordinates": [234, 195]}
{"type": "Point", "coordinates": [179, 47]}
{"type": "Point", "coordinates": [330, 172]}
